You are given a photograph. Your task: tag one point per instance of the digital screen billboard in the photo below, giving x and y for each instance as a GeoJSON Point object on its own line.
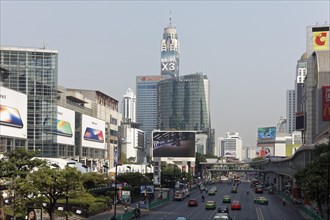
{"type": "Point", "coordinates": [93, 132]}
{"type": "Point", "coordinates": [173, 143]}
{"type": "Point", "coordinates": [267, 134]}
{"type": "Point", "coordinates": [13, 113]}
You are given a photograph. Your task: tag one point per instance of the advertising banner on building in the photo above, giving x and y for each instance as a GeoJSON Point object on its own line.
{"type": "Point", "coordinates": [267, 134]}
{"type": "Point", "coordinates": [320, 38]}
{"type": "Point", "coordinates": [65, 125]}
{"type": "Point", "coordinates": [173, 143]}
{"type": "Point", "coordinates": [13, 113]}
{"type": "Point", "coordinates": [326, 103]}
{"type": "Point", "coordinates": [265, 151]}
{"type": "Point", "coordinates": [93, 132]}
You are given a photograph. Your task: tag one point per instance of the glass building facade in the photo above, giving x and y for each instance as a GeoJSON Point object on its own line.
{"type": "Point", "coordinates": [146, 106]}
{"type": "Point", "coordinates": [184, 103]}
{"type": "Point", "coordinates": [33, 72]}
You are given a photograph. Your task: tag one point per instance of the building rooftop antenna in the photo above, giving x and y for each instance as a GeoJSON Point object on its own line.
{"type": "Point", "coordinates": [170, 19]}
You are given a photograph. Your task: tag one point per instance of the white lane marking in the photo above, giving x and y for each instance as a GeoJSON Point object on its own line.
{"type": "Point", "coordinates": [259, 214]}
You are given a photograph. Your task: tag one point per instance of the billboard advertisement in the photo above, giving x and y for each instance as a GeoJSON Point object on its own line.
{"type": "Point", "coordinates": [320, 38]}
{"type": "Point", "coordinates": [93, 132]}
{"type": "Point", "coordinates": [326, 103]}
{"type": "Point", "coordinates": [265, 151]}
{"type": "Point", "coordinates": [63, 126]}
{"type": "Point", "coordinates": [173, 143]}
{"type": "Point", "coordinates": [13, 113]}
{"type": "Point", "coordinates": [169, 63]}
{"type": "Point", "coordinates": [267, 134]}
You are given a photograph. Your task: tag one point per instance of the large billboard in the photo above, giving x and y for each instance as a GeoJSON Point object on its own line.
{"type": "Point", "coordinates": [320, 38]}
{"type": "Point", "coordinates": [267, 134]}
{"type": "Point", "coordinates": [169, 63]}
{"type": "Point", "coordinates": [265, 151]}
{"type": "Point", "coordinates": [93, 132]}
{"type": "Point", "coordinates": [13, 113]}
{"type": "Point", "coordinates": [173, 143]}
{"type": "Point", "coordinates": [63, 126]}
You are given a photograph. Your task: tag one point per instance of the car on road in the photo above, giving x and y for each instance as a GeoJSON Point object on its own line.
{"type": "Point", "coordinates": [226, 199]}
{"type": "Point", "coordinates": [259, 189]}
{"type": "Point", "coordinates": [211, 192]}
{"type": "Point", "coordinates": [221, 216]}
{"type": "Point", "coordinates": [210, 204]}
{"type": "Point", "coordinates": [235, 205]}
{"type": "Point", "coordinates": [192, 202]}
{"type": "Point", "coordinates": [223, 209]}
{"type": "Point", "coordinates": [181, 218]}
{"type": "Point", "coordinates": [261, 200]}
{"type": "Point", "coordinates": [234, 189]}
{"type": "Point", "coordinates": [214, 188]}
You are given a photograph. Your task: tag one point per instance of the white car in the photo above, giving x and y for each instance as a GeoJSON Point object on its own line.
{"type": "Point", "coordinates": [221, 216]}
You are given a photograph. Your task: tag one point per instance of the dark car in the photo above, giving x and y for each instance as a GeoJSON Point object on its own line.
{"type": "Point", "coordinates": [192, 202]}
{"type": "Point", "coordinates": [223, 209]}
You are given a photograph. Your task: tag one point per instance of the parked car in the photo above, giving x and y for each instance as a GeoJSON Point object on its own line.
{"type": "Point", "coordinates": [192, 202]}
{"type": "Point", "coordinates": [261, 200]}
{"type": "Point", "coordinates": [236, 205]}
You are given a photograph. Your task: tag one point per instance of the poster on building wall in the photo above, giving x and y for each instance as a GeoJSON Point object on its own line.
{"type": "Point", "coordinates": [264, 151]}
{"type": "Point", "coordinates": [321, 38]}
{"type": "Point", "coordinates": [13, 113]}
{"type": "Point", "coordinates": [326, 103]}
{"type": "Point", "coordinates": [93, 132]}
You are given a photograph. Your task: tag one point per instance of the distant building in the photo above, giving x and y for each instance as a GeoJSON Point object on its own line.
{"type": "Point", "coordinates": [129, 105]}
{"type": "Point", "coordinates": [290, 111]}
{"type": "Point", "coordinates": [233, 145]}
{"type": "Point", "coordinates": [147, 106]}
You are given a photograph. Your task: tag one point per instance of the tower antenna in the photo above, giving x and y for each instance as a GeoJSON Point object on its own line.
{"type": "Point", "coordinates": [170, 19]}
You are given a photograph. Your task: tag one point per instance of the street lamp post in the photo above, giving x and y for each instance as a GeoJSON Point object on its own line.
{"type": "Point", "coordinates": [173, 180]}
{"type": "Point", "coordinates": [115, 196]}
{"type": "Point", "coordinates": [116, 174]}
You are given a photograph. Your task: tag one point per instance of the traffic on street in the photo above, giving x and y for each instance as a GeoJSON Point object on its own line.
{"type": "Point", "coordinates": [249, 209]}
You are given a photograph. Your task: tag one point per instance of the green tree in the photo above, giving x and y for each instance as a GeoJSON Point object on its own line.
{"type": "Point", "coordinates": [92, 179]}
{"type": "Point", "coordinates": [15, 165]}
{"type": "Point", "coordinates": [48, 185]}
{"type": "Point", "coordinates": [313, 179]}
{"type": "Point", "coordinates": [18, 163]}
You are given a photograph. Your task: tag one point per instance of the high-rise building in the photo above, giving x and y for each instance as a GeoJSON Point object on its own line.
{"type": "Point", "coordinates": [290, 111]}
{"type": "Point", "coordinates": [146, 106]}
{"type": "Point", "coordinates": [184, 104]}
{"type": "Point", "coordinates": [233, 145]}
{"type": "Point", "coordinates": [170, 52]}
{"type": "Point", "coordinates": [32, 72]}
{"type": "Point", "coordinates": [129, 105]}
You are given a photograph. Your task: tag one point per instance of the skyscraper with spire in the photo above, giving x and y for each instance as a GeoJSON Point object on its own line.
{"type": "Point", "coordinates": [170, 51]}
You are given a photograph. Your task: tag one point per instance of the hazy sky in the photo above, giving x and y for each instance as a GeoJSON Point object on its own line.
{"type": "Point", "coordinates": [248, 49]}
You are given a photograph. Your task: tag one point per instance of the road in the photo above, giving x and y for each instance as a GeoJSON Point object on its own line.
{"type": "Point", "coordinates": [250, 211]}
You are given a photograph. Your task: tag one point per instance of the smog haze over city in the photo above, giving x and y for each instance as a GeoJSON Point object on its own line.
{"type": "Point", "coordinates": [247, 49]}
